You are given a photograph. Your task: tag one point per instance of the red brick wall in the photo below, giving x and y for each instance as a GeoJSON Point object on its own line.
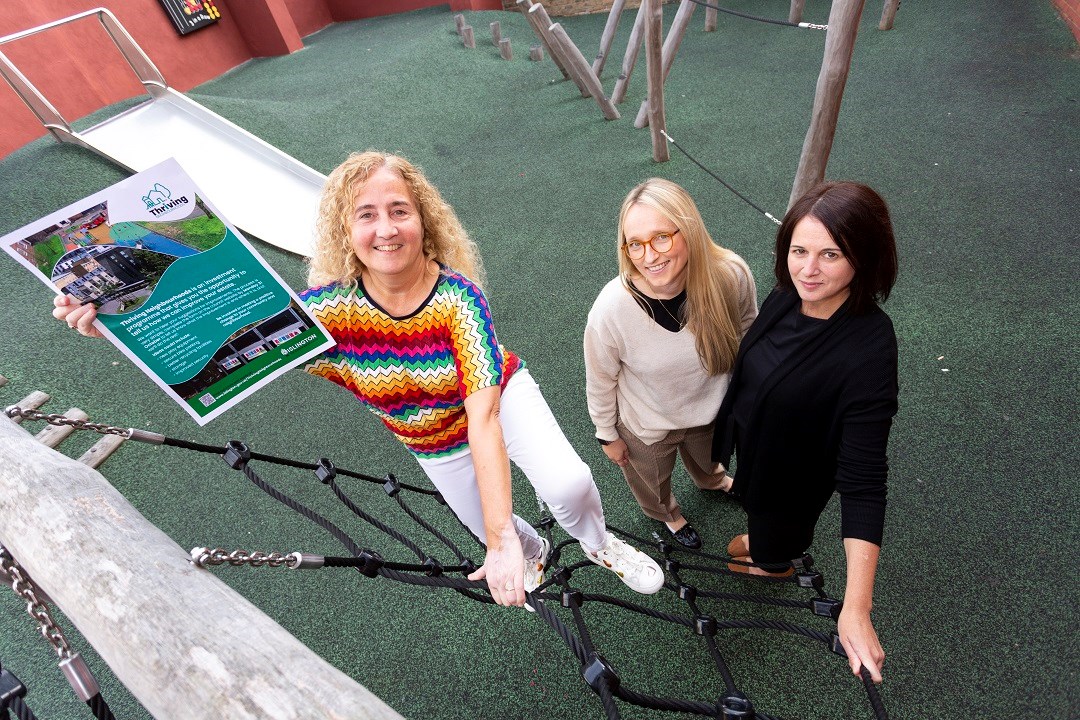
{"type": "Point", "coordinates": [1070, 11]}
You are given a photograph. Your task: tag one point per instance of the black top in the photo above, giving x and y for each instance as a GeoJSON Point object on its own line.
{"type": "Point", "coordinates": [668, 314]}
{"type": "Point", "coordinates": [820, 420]}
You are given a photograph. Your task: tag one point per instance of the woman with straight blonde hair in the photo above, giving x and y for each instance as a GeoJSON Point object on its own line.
{"type": "Point", "coordinates": [660, 343]}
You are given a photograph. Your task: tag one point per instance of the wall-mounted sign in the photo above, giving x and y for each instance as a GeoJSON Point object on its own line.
{"type": "Point", "coordinates": [190, 15]}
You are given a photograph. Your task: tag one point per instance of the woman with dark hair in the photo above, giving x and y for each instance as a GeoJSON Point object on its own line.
{"type": "Point", "coordinates": [812, 397]}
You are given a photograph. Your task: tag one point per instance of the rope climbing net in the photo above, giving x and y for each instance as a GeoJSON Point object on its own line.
{"type": "Point", "coordinates": [561, 601]}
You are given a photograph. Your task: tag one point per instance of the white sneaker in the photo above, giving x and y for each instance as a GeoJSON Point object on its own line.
{"type": "Point", "coordinates": [636, 569]}
{"type": "Point", "coordinates": [534, 569]}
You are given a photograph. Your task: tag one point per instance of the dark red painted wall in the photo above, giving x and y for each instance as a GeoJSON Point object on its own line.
{"type": "Point", "coordinates": [79, 70]}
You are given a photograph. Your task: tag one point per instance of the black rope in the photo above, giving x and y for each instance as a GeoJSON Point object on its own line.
{"type": "Point", "coordinates": [100, 708]}
{"type": "Point", "coordinates": [718, 179]}
{"type": "Point", "coordinates": [17, 706]}
{"type": "Point", "coordinates": [597, 672]}
{"type": "Point", "coordinates": [771, 21]}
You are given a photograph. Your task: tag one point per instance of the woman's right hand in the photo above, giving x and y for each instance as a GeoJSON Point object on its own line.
{"type": "Point", "coordinates": [617, 452]}
{"type": "Point", "coordinates": [78, 317]}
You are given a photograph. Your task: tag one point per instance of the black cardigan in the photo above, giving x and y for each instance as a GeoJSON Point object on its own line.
{"type": "Point", "coordinates": [820, 421]}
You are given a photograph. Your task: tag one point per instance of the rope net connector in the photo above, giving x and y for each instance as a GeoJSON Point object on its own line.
{"type": "Point", "coordinates": [705, 625]}
{"type": "Point", "coordinates": [371, 562]}
{"type": "Point", "coordinates": [813, 26]}
{"type": "Point", "coordinates": [597, 669]}
{"type": "Point", "coordinates": [735, 706]}
{"type": "Point", "coordinates": [10, 687]}
{"type": "Point", "coordinates": [687, 593]}
{"type": "Point", "coordinates": [391, 485]}
{"type": "Point", "coordinates": [836, 646]}
{"type": "Point", "coordinates": [572, 598]}
{"type": "Point", "coordinates": [826, 607]}
{"type": "Point", "coordinates": [325, 471]}
{"type": "Point", "coordinates": [236, 454]}
{"type": "Point", "coordinates": [813, 580]}
{"type": "Point", "coordinates": [79, 677]}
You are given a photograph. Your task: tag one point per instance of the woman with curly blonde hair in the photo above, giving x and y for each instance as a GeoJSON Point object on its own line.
{"type": "Point", "coordinates": [660, 343]}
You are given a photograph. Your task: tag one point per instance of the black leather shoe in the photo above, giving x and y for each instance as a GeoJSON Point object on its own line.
{"type": "Point", "coordinates": [687, 537]}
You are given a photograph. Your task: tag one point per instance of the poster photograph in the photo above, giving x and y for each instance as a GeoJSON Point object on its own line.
{"type": "Point", "coordinates": [177, 289]}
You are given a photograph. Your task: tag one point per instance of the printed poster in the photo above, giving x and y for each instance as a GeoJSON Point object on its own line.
{"type": "Point", "coordinates": [190, 15]}
{"type": "Point", "coordinates": [177, 289]}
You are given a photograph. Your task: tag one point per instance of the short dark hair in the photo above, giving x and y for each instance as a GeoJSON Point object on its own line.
{"type": "Point", "coordinates": [857, 218]}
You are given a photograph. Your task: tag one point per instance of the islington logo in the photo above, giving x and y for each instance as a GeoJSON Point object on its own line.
{"type": "Point", "coordinates": [160, 200]}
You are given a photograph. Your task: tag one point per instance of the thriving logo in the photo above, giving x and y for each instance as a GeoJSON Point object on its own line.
{"type": "Point", "coordinates": [160, 200]}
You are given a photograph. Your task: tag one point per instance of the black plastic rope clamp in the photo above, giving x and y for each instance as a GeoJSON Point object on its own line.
{"type": "Point", "coordinates": [391, 486]}
{"type": "Point", "coordinates": [372, 562]}
{"type": "Point", "coordinates": [687, 593]}
{"type": "Point", "coordinates": [705, 625]}
{"type": "Point", "coordinates": [672, 565]}
{"type": "Point", "coordinates": [812, 579]}
{"type": "Point", "coordinates": [325, 471]}
{"type": "Point", "coordinates": [10, 687]}
{"type": "Point", "coordinates": [547, 522]}
{"type": "Point", "coordinates": [827, 607]}
{"type": "Point", "coordinates": [434, 567]}
{"type": "Point", "coordinates": [735, 706]}
{"type": "Point", "coordinates": [572, 598]}
{"type": "Point", "coordinates": [236, 454]}
{"type": "Point", "coordinates": [837, 647]}
{"type": "Point", "coordinates": [560, 575]}
{"type": "Point", "coordinates": [803, 563]}
{"type": "Point", "coordinates": [439, 498]}
{"type": "Point", "coordinates": [597, 668]}
{"type": "Point", "coordinates": [468, 567]}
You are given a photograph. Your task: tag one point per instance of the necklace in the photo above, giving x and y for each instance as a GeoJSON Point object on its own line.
{"type": "Point", "coordinates": [648, 302]}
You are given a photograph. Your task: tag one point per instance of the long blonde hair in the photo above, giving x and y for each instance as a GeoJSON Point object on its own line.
{"type": "Point", "coordinates": [445, 240]}
{"type": "Point", "coordinates": [712, 310]}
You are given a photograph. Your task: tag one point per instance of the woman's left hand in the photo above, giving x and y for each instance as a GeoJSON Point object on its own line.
{"type": "Point", "coordinates": [503, 569]}
{"type": "Point", "coordinates": [860, 642]}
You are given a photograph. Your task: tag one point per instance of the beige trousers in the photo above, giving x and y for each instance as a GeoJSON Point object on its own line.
{"type": "Point", "coordinates": [649, 471]}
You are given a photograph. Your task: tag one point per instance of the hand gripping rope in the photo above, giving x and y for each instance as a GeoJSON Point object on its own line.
{"type": "Point", "coordinates": [561, 601]}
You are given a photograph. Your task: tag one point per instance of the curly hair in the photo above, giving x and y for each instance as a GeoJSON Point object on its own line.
{"type": "Point", "coordinates": [712, 282]}
{"type": "Point", "coordinates": [445, 240]}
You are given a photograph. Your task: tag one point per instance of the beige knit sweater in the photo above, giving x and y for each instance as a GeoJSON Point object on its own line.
{"type": "Point", "coordinates": [649, 378]}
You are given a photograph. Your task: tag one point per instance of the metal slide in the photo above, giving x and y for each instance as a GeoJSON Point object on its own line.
{"type": "Point", "coordinates": [263, 191]}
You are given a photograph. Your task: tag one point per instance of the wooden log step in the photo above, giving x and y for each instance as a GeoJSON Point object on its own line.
{"type": "Point", "coordinates": [101, 450]}
{"type": "Point", "coordinates": [53, 435]}
{"type": "Point", "coordinates": [32, 402]}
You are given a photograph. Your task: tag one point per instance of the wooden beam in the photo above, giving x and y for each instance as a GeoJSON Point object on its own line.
{"type": "Point", "coordinates": [579, 65]}
{"type": "Point", "coordinates": [839, 48]}
{"type": "Point", "coordinates": [671, 48]}
{"type": "Point", "coordinates": [32, 402]}
{"type": "Point", "coordinates": [630, 58]}
{"type": "Point", "coordinates": [888, 14]}
{"type": "Point", "coordinates": [653, 62]}
{"type": "Point", "coordinates": [524, 6]}
{"type": "Point", "coordinates": [608, 36]}
{"type": "Point", "coordinates": [182, 641]}
{"type": "Point", "coordinates": [53, 435]}
{"type": "Point", "coordinates": [542, 22]}
{"type": "Point", "coordinates": [795, 14]}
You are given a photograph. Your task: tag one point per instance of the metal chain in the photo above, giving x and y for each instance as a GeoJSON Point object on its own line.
{"type": "Point", "coordinates": [28, 590]}
{"type": "Point", "coordinates": [202, 557]}
{"type": "Point", "coordinates": [59, 419]}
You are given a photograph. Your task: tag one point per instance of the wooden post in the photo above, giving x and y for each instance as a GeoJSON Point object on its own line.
{"type": "Point", "coordinates": [839, 47]}
{"type": "Point", "coordinates": [712, 16]}
{"type": "Point", "coordinates": [580, 65]}
{"type": "Point", "coordinates": [467, 36]}
{"type": "Point", "coordinates": [671, 47]}
{"type": "Point", "coordinates": [795, 14]}
{"type": "Point", "coordinates": [608, 36]}
{"type": "Point", "coordinates": [459, 23]}
{"type": "Point", "coordinates": [542, 22]}
{"type": "Point", "coordinates": [182, 641]}
{"type": "Point", "coordinates": [504, 49]}
{"type": "Point", "coordinates": [524, 6]}
{"type": "Point", "coordinates": [653, 64]}
{"type": "Point", "coordinates": [536, 52]}
{"type": "Point", "coordinates": [630, 58]}
{"type": "Point", "coordinates": [888, 14]}
{"type": "Point", "coordinates": [496, 33]}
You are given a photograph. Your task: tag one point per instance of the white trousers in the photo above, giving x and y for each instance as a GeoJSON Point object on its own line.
{"type": "Point", "coordinates": [536, 444]}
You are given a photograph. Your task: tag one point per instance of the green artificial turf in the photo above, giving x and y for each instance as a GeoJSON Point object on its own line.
{"type": "Point", "coordinates": [965, 117]}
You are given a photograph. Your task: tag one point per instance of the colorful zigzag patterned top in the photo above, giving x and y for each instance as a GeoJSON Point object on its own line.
{"type": "Point", "coordinates": [415, 372]}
